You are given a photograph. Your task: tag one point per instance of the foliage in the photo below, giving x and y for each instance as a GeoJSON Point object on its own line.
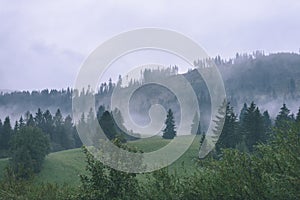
{"type": "Point", "coordinates": [169, 131]}
{"type": "Point", "coordinates": [283, 118]}
{"type": "Point", "coordinates": [29, 146]}
{"type": "Point", "coordinates": [12, 188]}
{"type": "Point", "coordinates": [229, 137]}
{"type": "Point", "coordinates": [104, 182]}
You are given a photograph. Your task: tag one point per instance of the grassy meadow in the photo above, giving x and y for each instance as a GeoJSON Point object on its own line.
{"type": "Point", "coordinates": [65, 166]}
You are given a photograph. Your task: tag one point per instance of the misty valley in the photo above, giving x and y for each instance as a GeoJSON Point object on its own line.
{"type": "Point", "coordinates": [49, 138]}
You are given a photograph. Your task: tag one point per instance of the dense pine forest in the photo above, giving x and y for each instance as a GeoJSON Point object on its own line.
{"type": "Point", "coordinates": [255, 157]}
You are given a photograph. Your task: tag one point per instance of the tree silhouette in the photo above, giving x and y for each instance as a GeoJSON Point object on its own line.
{"type": "Point", "coordinates": [169, 132]}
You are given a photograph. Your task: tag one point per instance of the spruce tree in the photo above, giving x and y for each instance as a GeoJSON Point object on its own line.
{"type": "Point", "coordinates": [229, 137]}
{"type": "Point", "coordinates": [58, 131]}
{"type": "Point", "coordinates": [169, 131]}
{"type": "Point", "coordinates": [39, 119]}
{"type": "Point", "coordinates": [48, 127]}
{"type": "Point", "coordinates": [68, 140]}
{"type": "Point", "coordinates": [109, 127]}
{"type": "Point", "coordinates": [267, 124]}
{"type": "Point", "coordinates": [283, 118]}
{"type": "Point", "coordinates": [243, 111]}
{"type": "Point", "coordinates": [252, 126]}
{"type": "Point", "coordinates": [6, 134]}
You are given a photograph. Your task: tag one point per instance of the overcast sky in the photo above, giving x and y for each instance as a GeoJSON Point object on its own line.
{"type": "Point", "coordinates": [43, 43]}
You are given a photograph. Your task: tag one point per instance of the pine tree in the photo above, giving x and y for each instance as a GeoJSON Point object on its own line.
{"type": "Point", "coordinates": [21, 122]}
{"type": "Point", "coordinates": [68, 140]}
{"type": "Point", "coordinates": [39, 119]}
{"type": "Point", "coordinates": [243, 112]}
{"type": "Point", "coordinates": [100, 112]}
{"type": "Point", "coordinates": [252, 126]}
{"type": "Point", "coordinates": [109, 128]}
{"type": "Point", "coordinates": [267, 124]}
{"type": "Point", "coordinates": [6, 134]}
{"type": "Point", "coordinates": [30, 121]}
{"type": "Point", "coordinates": [48, 127]}
{"type": "Point", "coordinates": [283, 118]}
{"type": "Point", "coordinates": [229, 137]}
{"type": "Point", "coordinates": [58, 131]}
{"type": "Point", "coordinates": [169, 131]}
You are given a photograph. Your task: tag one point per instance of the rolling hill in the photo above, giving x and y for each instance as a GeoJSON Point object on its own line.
{"type": "Point", "coordinates": [65, 166]}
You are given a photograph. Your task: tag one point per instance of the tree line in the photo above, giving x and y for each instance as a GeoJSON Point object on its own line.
{"type": "Point", "coordinates": [250, 128]}
{"type": "Point", "coordinates": [270, 171]}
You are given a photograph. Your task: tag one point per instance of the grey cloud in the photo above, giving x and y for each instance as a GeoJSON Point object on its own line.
{"type": "Point", "coordinates": [43, 43]}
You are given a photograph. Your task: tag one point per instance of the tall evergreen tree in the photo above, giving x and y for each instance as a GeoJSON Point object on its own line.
{"type": "Point", "coordinates": [30, 121]}
{"type": "Point", "coordinates": [109, 128]}
{"type": "Point", "coordinates": [48, 127]}
{"type": "Point", "coordinates": [283, 118]}
{"type": "Point", "coordinates": [169, 131]}
{"type": "Point", "coordinates": [58, 131]}
{"type": "Point", "coordinates": [229, 137]}
{"type": "Point", "coordinates": [6, 134]}
{"type": "Point", "coordinates": [68, 139]}
{"type": "Point", "coordinates": [252, 126]}
{"type": "Point", "coordinates": [21, 122]}
{"type": "Point", "coordinates": [243, 112]}
{"type": "Point", "coordinates": [100, 112]}
{"type": "Point", "coordinates": [39, 119]}
{"type": "Point", "coordinates": [267, 124]}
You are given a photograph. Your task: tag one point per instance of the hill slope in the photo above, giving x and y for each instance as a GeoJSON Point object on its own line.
{"type": "Point", "coordinates": [65, 166]}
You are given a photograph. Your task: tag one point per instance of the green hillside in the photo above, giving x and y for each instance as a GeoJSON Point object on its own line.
{"type": "Point", "coordinates": [65, 166]}
{"type": "Point", "coordinates": [187, 159]}
{"type": "Point", "coordinates": [60, 167]}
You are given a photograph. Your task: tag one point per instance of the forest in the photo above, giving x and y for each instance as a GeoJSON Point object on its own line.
{"type": "Point", "coordinates": [255, 157]}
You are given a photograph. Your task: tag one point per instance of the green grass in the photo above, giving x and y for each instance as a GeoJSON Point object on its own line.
{"type": "Point", "coordinates": [65, 166]}
{"type": "Point", "coordinates": [186, 162]}
{"type": "Point", "coordinates": [60, 167]}
{"type": "Point", "coordinates": [149, 144]}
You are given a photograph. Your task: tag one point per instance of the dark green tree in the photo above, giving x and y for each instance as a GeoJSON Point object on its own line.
{"type": "Point", "coordinates": [283, 118]}
{"type": "Point", "coordinates": [229, 137]}
{"type": "Point", "coordinates": [104, 182]}
{"type": "Point", "coordinates": [253, 126]}
{"type": "Point", "coordinates": [29, 146]}
{"type": "Point", "coordinates": [6, 133]}
{"type": "Point", "coordinates": [30, 121]}
{"type": "Point", "coordinates": [39, 119]}
{"type": "Point", "coordinates": [243, 112]}
{"type": "Point", "coordinates": [100, 112]}
{"type": "Point", "coordinates": [68, 138]}
{"type": "Point", "coordinates": [48, 127]}
{"type": "Point", "coordinates": [169, 132]}
{"type": "Point", "coordinates": [58, 131]}
{"type": "Point", "coordinates": [109, 127]}
{"type": "Point", "coordinates": [267, 124]}
{"type": "Point", "coordinates": [21, 122]}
